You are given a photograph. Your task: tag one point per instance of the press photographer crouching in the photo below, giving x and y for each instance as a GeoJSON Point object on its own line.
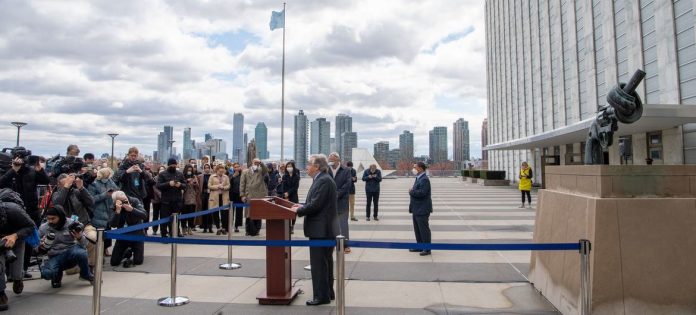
{"type": "Point", "coordinates": [64, 241]}
{"type": "Point", "coordinates": [15, 227]}
{"type": "Point", "coordinates": [128, 211]}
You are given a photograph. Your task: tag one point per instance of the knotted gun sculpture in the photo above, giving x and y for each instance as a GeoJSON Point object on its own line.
{"type": "Point", "coordinates": [624, 106]}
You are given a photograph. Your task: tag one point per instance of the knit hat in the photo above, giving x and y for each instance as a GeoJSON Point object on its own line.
{"type": "Point", "coordinates": [172, 161]}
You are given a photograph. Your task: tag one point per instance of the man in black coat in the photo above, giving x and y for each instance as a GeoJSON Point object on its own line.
{"type": "Point", "coordinates": [342, 178]}
{"type": "Point", "coordinates": [320, 223]}
{"type": "Point", "coordinates": [372, 177]}
{"type": "Point", "coordinates": [421, 206]}
{"type": "Point", "coordinates": [132, 177]}
{"type": "Point", "coordinates": [15, 227]}
{"type": "Point", "coordinates": [171, 183]}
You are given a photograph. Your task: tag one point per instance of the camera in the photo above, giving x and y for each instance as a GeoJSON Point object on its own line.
{"type": "Point", "coordinates": [9, 254]}
{"type": "Point", "coordinates": [48, 241]}
{"type": "Point", "coordinates": [68, 164]}
{"type": "Point", "coordinates": [75, 227]}
{"type": "Point", "coordinates": [8, 155]}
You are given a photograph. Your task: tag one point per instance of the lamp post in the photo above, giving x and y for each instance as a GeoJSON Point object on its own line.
{"type": "Point", "coordinates": [112, 135]}
{"type": "Point", "coordinates": [19, 125]}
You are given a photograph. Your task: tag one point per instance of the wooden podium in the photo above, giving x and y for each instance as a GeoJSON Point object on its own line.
{"type": "Point", "coordinates": [277, 213]}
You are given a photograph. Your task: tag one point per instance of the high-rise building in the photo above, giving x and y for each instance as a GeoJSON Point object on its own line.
{"type": "Point", "coordinates": [406, 145]}
{"type": "Point", "coordinates": [163, 146]}
{"type": "Point", "coordinates": [320, 135]}
{"type": "Point", "coordinates": [381, 151]}
{"type": "Point", "coordinates": [484, 139]}
{"type": "Point", "coordinates": [460, 139]}
{"type": "Point", "coordinates": [551, 63]}
{"type": "Point", "coordinates": [217, 148]}
{"type": "Point", "coordinates": [438, 145]}
{"type": "Point", "coordinates": [238, 142]}
{"type": "Point", "coordinates": [344, 123]}
{"type": "Point", "coordinates": [350, 141]}
{"type": "Point", "coordinates": [332, 145]}
{"type": "Point", "coordinates": [244, 149]}
{"type": "Point", "coordinates": [301, 129]}
{"type": "Point", "coordinates": [261, 136]}
{"type": "Point", "coordinates": [208, 136]}
{"type": "Point", "coordinates": [188, 145]}
{"type": "Point", "coordinates": [394, 156]}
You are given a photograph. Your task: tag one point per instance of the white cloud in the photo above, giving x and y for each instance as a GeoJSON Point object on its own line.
{"type": "Point", "coordinates": [78, 70]}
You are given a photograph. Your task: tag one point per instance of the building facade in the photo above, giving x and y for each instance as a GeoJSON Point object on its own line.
{"type": "Point", "coordinates": [406, 145]}
{"type": "Point", "coordinates": [350, 141]}
{"type": "Point", "coordinates": [438, 145]}
{"type": "Point", "coordinates": [460, 141]}
{"type": "Point", "coordinates": [188, 147]}
{"type": "Point", "coordinates": [300, 143]}
{"type": "Point", "coordinates": [261, 136]}
{"type": "Point", "coordinates": [238, 142]}
{"type": "Point", "coordinates": [381, 151]}
{"type": "Point", "coordinates": [344, 123]}
{"type": "Point", "coordinates": [320, 135]}
{"type": "Point", "coordinates": [484, 139]}
{"type": "Point", "coordinates": [550, 64]}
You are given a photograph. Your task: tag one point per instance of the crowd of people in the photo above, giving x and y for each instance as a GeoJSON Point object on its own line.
{"type": "Point", "coordinates": [51, 209]}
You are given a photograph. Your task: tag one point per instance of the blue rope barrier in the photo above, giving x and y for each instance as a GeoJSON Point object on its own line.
{"type": "Point", "coordinates": [443, 246]}
{"type": "Point", "coordinates": [200, 213]}
{"type": "Point", "coordinates": [194, 241]}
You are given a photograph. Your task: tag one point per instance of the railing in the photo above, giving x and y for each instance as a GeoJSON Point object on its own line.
{"type": "Point", "coordinates": [582, 246]}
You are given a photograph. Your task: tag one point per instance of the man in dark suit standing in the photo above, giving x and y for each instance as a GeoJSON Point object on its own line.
{"type": "Point", "coordinates": [320, 223]}
{"type": "Point", "coordinates": [372, 176]}
{"type": "Point", "coordinates": [421, 206]}
{"type": "Point", "coordinates": [342, 178]}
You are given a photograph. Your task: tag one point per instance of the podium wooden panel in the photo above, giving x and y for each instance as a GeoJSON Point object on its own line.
{"type": "Point", "coordinates": [277, 213]}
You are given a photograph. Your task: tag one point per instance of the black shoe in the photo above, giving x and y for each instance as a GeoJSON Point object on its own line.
{"type": "Point", "coordinates": [317, 302]}
{"type": "Point", "coordinates": [127, 263]}
{"type": "Point", "coordinates": [17, 286]}
{"type": "Point", "coordinates": [128, 253]}
{"type": "Point", "coordinates": [90, 279]}
{"type": "Point", "coordinates": [425, 253]}
{"type": "Point", "coordinates": [415, 250]}
{"type": "Point", "coordinates": [56, 284]}
{"type": "Point", "coordinates": [236, 230]}
{"type": "Point", "coordinates": [3, 302]}
{"type": "Point", "coordinates": [353, 219]}
{"type": "Point", "coordinates": [376, 219]}
{"type": "Point", "coordinates": [27, 275]}
{"type": "Point", "coordinates": [368, 219]}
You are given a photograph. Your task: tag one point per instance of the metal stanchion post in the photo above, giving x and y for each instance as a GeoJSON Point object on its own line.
{"type": "Point", "coordinates": [341, 274]}
{"type": "Point", "coordinates": [96, 290]}
{"type": "Point", "coordinates": [585, 304]}
{"type": "Point", "coordinates": [230, 265]}
{"type": "Point", "coordinates": [173, 300]}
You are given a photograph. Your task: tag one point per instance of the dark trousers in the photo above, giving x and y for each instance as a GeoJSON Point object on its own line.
{"type": "Point", "coordinates": [208, 218]}
{"type": "Point", "coordinates": [146, 205]}
{"type": "Point", "coordinates": [321, 260]}
{"type": "Point", "coordinates": [224, 215]}
{"type": "Point", "coordinates": [188, 223]}
{"type": "Point", "coordinates": [421, 227]}
{"type": "Point", "coordinates": [372, 196]}
{"type": "Point", "coordinates": [167, 210]}
{"type": "Point", "coordinates": [238, 211]}
{"type": "Point", "coordinates": [156, 207]}
{"type": "Point", "coordinates": [528, 194]}
{"type": "Point", "coordinates": [138, 249]}
{"type": "Point", "coordinates": [252, 227]}
{"type": "Point", "coordinates": [71, 257]}
{"type": "Point", "coordinates": [36, 217]}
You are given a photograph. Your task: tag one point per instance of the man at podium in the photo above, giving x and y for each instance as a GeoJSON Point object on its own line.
{"type": "Point", "coordinates": [320, 223]}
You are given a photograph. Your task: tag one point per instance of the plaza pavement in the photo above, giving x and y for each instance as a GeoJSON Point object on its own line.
{"type": "Point", "coordinates": [380, 281]}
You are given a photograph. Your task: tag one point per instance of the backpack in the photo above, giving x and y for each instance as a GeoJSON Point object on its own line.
{"type": "Point", "coordinates": [9, 195]}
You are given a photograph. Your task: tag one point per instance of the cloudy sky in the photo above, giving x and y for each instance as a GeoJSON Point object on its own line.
{"type": "Point", "coordinates": [76, 71]}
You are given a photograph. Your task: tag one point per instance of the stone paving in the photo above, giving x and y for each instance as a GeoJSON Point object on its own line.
{"type": "Point", "coordinates": [380, 281]}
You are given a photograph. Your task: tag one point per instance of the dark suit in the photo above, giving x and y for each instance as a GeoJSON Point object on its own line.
{"type": "Point", "coordinates": [343, 181]}
{"type": "Point", "coordinates": [421, 206]}
{"type": "Point", "coordinates": [372, 190]}
{"type": "Point", "coordinates": [321, 223]}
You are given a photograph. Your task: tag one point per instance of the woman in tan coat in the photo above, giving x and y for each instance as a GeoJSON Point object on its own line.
{"type": "Point", "coordinates": [219, 187]}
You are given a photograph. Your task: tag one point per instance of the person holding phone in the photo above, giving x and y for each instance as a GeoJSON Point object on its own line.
{"type": "Point", "coordinates": [101, 190]}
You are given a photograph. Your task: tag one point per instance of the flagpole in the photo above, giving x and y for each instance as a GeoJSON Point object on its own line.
{"type": "Point", "coordinates": [282, 99]}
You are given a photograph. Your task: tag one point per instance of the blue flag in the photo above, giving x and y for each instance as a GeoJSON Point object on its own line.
{"type": "Point", "coordinates": [277, 20]}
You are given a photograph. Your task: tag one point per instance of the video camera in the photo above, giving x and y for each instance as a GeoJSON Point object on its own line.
{"type": "Point", "coordinates": [68, 164]}
{"type": "Point", "coordinates": [8, 155]}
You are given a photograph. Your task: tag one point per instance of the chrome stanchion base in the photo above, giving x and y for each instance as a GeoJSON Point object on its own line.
{"type": "Point", "coordinates": [230, 266]}
{"type": "Point", "coordinates": [308, 267]}
{"type": "Point", "coordinates": [173, 301]}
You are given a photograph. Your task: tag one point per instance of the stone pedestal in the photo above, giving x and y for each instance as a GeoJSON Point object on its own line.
{"type": "Point", "coordinates": [641, 220]}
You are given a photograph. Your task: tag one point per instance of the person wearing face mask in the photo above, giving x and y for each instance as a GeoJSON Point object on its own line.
{"type": "Point", "coordinates": [252, 185]}
{"type": "Point", "coordinates": [372, 177]}
{"type": "Point", "coordinates": [190, 198]}
{"type": "Point", "coordinates": [204, 194]}
{"type": "Point", "coordinates": [156, 199]}
{"type": "Point", "coordinates": [131, 175]}
{"type": "Point", "coordinates": [420, 206]}
{"type": "Point", "coordinates": [171, 183]}
{"type": "Point", "coordinates": [235, 180]}
{"type": "Point", "coordinates": [291, 183]}
{"type": "Point", "coordinates": [342, 178]}
{"type": "Point", "coordinates": [101, 190]}
{"type": "Point", "coordinates": [219, 186]}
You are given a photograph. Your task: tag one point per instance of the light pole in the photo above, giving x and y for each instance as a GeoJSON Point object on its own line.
{"type": "Point", "coordinates": [112, 135]}
{"type": "Point", "coordinates": [19, 125]}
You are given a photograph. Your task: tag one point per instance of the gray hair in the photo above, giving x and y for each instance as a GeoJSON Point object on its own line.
{"type": "Point", "coordinates": [335, 154]}
{"type": "Point", "coordinates": [320, 161]}
{"type": "Point", "coordinates": [116, 195]}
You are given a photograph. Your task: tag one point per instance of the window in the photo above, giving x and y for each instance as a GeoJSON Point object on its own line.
{"type": "Point", "coordinates": [655, 146]}
{"type": "Point", "coordinates": [626, 150]}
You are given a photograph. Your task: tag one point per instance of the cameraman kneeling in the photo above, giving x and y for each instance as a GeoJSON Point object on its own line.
{"type": "Point", "coordinates": [127, 211]}
{"type": "Point", "coordinates": [63, 239]}
{"type": "Point", "coordinates": [15, 226]}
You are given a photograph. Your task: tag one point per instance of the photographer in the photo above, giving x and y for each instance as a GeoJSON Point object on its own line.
{"type": "Point", "coordinates": [128, 211]}
{"type": "Point", "coordinates": [15, 226]}
{"type": "Point", "coordinates": [72, 195]}
{"type": "Point", "coordinates": [171, 183]}
{"type": "Point", "coordinates": [24, 176]}
{"type": "Point", "coordinates": [64, 241]}
{"type": "Point", "coordinates": [131, 176]}
{"type": "Point", "coordinates": [88, 171]}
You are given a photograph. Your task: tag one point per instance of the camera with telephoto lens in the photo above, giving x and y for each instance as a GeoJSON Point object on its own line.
{"type": "Point", "coordinates": [48, 241]}
{"type": "Point", "coordinates": [8, 156]}
{"type": "Point", "coordinates": [75, 227]}
{"type": "Point", "coordinates": [9, 254]}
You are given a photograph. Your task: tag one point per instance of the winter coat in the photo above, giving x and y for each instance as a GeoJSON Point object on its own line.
{"type": "Point", "coordinates": [103, 204]}
{"type": "Point", "coordinates": [372, 184]}
{"type": "Point", "coordinates": [75, 201]}
{"type": "Point", "coordinates": [252, 184]}
{"type": "Point", "coordinates": [133, 184]}
{"type": "Point", "coordinates": [64, 240]}
{"type": "Point", "coordinates": [213, 199]}
{"type": "Point", "coordinates": [191, 192]}
{"type": "Point", "coordinates": [291, 184]}
{"type": "Point", "coordinates": [171, 194]}
{"type": "Point", "coordinates": [24, 182]}
{"type": "Point", "coordinates": [131, 218]}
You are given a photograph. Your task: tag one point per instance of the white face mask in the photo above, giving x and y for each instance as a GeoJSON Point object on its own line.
{"type": "Point", "coordinates": [415, 171]}
{"type": "Point", "coordinates": [290, 169]}
{"type": "Point", "coordinates": [254, 167]}
{"type": "Point", "coordinates": [332, 164]}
